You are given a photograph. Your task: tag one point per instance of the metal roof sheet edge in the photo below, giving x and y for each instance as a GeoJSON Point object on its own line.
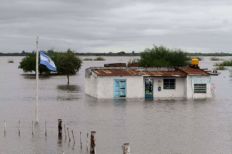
{"type": "Point", "coordinates": [139, 71]}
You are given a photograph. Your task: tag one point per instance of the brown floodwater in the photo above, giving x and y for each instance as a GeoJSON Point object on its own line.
{"type": "Point", "coordinates": [151, 127]}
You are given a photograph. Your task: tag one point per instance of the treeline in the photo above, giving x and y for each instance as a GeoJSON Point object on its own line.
{"type": "Point", "coordinates": [219, 54]}
{"type": "Point", "coordinates": [210, 54]}
{"type": "Point", "coordinates": [121, 53]}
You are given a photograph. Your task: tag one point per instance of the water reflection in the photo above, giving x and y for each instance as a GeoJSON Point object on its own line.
{"type": "Point", "coordinates": [32, 76]}
{"type": "Point", "coordinates": [72, 92]}
{"type": "Point", "coordinates": [69, 88]}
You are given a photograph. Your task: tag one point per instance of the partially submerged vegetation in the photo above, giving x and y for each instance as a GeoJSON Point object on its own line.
{"type": "Point", "coordinates": [225, 63]}
{"type": "Point", "coordinates": [215, 59]}
{"type": "Point", "coordinates": [220, 68]}
{"type": "Point", "coordinates": [95, 59]}
{"type": "Point", "coordinates": [99, 59]}
{"type": "Point", "coordinates": [160, 56]}
{"type": "Point", "coordinates": [87, 59]}
{"type": "Point", "coordinates": [10, 61]}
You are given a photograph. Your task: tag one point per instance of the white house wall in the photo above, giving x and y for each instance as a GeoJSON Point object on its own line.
{"type": "Point", "coordinates": [91, 86]}
{"type": "Point", "coordinates": [191, 80]}
{"type": "Point", "coordinates": [134, 87]}
{"type": "Point", "coordinates": [167, 94]}
{"type": "Point", "coordinates": [103, 87]}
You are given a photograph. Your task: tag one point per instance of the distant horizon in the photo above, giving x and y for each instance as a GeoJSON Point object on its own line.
{"type": "Point", "coordinates": [116, 51]}
{"type": "Point", "coordinates": [120, 53]}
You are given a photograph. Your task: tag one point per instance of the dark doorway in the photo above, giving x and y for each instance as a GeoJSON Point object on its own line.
{"type": "Point", "coordinates": [148, 82]}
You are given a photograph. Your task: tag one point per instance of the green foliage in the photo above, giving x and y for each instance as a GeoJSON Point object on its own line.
{"type": "Point", "coordinates": [67, 63]}
{"type": "Point", "coordinates": [225, 63]}
{"type": "Point", "coordinates": [87, 59]}
{"type": "Point", "coordinates": [99, 59]}
{"type": "Point", "coordinates": [220, 68]}
{"type": "Point", "coordinates": [163, 57]}
{"type": "Point", "coordinates": [28, 64]}
{"type": "Point", "coordinates": [214, 59]}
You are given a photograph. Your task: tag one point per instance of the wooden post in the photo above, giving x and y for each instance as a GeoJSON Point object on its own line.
{"type": "Point", "coordinates": [65, 134]}
{"type": "Point", "coordinates": [4, 128]}
{"type": "Point", "coordinates": [45, 128]}
{"type": "Point", "coordinates": [32, 128]}
{"type": "Point", "coordinates": [80, 141]}
{"type": "Point", "coordinates": [73, 137]}
{"type": "Point", "coordinates": [126, 148]}
{"type": "Point", "coordinates": [69, 139]}
{"type": "Point", "coordinates": [19, 128]}
{"type": "Point", "coordinates": [87, 142]}
{"type": "Point", "coordinates": [92, 142]}
{"type": "Point", "coordinates": [60, 129]}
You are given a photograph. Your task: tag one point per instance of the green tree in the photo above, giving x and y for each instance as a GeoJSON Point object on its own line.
{"type": "Point", "coordinates": [67, 63]}
{"type": "Point", "coordinates": [163, 57]}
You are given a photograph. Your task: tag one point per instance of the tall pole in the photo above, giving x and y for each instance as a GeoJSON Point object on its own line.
{"type": "Point", "coordinates": [37, 81]}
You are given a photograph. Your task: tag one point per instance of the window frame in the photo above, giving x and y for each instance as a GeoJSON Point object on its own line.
{"type": "Point", "coordinates": [169, 86]}
{"type": "Point", "coordinates": [120, 88]}
{"type": "Point", "coordinates": [201, 89]}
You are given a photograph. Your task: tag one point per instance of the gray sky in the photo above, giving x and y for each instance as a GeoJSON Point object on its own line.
{"type": "Point", "coordinates": [116, 25]}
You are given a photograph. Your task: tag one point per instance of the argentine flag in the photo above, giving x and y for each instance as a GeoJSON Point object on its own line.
{"type": "Point", "coordinates": [46, 60]}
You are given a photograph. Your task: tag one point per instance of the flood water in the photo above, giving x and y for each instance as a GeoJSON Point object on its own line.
{"type": "Point", "coordinates": [151, 127]}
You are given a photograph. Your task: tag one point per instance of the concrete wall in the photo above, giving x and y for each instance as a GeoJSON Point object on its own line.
{"type": "Point", "coordinates": [168, 94]}
{"type": "Point", "coordinates": [91, 85]}
{"type": "Point", "coordinates": [191, 80]}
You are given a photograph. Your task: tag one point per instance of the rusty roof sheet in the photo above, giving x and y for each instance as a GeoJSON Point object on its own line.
{"type": "Point", "coordinates": [194, 71]}
{"type": "Point", "coordinates": [138, 72]}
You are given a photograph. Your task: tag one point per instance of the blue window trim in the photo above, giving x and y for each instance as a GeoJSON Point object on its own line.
{"type": "Point", "coordinates": [117, 89]}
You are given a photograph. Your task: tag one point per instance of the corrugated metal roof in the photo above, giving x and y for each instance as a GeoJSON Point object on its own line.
{"type": "Point", "coordinates": [194, 71]}
{"type": "Point", "coordinates": [138, 72]}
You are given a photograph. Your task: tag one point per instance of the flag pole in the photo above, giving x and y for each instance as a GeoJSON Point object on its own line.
{"type": "Point", "coordinates": [37, 81]}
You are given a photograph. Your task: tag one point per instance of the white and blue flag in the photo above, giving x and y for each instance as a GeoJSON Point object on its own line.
{"type": "Point", "coordinates": [46, 60]}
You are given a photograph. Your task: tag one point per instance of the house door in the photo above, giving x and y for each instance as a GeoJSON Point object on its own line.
{"type": "Point", "coordinates": [119, 88]}
{"type": "Point", "coordinates": [148, 82]}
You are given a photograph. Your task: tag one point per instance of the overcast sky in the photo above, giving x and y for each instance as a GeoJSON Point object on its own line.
{"type": "Point", "coordinates": [116, 25]}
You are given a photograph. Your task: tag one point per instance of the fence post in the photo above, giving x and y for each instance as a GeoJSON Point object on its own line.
{"type": "Point", "coordinates": [87, 142]}
{"type": "Point", "coordinates": [80, 141]}
{"type": "Point", "coordinates": [32, 128]}
{"type": "Point", "coordinates": [65, 134]}
{"type": "Point", "coordinates": [4, 128]}
{"type": "Point", "coordinates": [60, 129]}
{"type": "Point", "coordinates": [69, 139]}
{"type": "Point", "coordinates": [126, 148]}
{"type": "Point", "coordinates": [73, 137]}
{"type": "Point", "coordinates": [19, 128]}
{"type": "Point", "coordinates": [45, 128]}
{"type": "Point", "coordinates": [92, 142]}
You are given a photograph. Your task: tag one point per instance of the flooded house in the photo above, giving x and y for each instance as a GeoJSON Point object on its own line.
{"type": "Point", "coordinates": [149, 83]}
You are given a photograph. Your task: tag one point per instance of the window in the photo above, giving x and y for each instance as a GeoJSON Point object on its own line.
{"type": "Point", "coordinates": [199, 88]}
{"type": "Point", "coordinates": [169, 84]}
{"type": "Point", "coordinates": [119, 88]}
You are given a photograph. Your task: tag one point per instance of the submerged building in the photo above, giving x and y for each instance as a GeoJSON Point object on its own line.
{"type": "Point", "coordinates": [148, 83]}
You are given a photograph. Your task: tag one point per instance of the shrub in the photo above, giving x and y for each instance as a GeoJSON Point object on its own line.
{"type": "Point", "coordinates": [163, 57]}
